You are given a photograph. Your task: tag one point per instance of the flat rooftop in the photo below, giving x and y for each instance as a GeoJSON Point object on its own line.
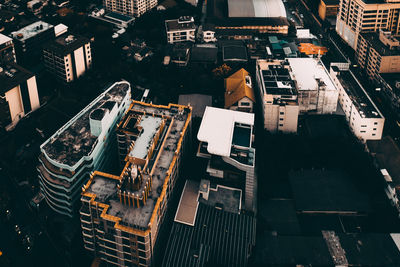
{"type": "Point", "coordinates": [387, 154]}
{"type": "Point", "coordinates": [181, 24]}
{"type": "Point", "coordinates": [66, 44]}
{"type": "Point", "coordinates": [74, 140]}
{"type": "Point", "coordinates": [224, 198]}
{"type": "Point", "coordinates": [119, 17]}
{"type": "Point", "coordinates": [256, 8]}
{"type": "Point", "coordinates": [319, 191]}
{"type": "Point", "coordinates": [150, 126]}
{"type": "Point", "coordinates": [358, 95]}
{"type": "Point", "coordinates": [188, 204]}
{"type": "Point", "coordinates": [31, 30]}
{"type": "Point", "coordinates": [4, 39]}
{"type": "Point", "coordinates": [310, 73]}
{"type": "Point", "coordinates": [11, 75]}
{"type": "Point", "coordinates": [217, 129]}
{"type": "Point", "coordinates": [278, 81]}
{"type": "Point", "coordinates": [138, 217]}
{"type": "Point", "coordinates": [381, 48]}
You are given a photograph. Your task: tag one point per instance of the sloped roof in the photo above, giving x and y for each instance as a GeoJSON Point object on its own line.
{"type": "Point", "coordinates": [236, 88]}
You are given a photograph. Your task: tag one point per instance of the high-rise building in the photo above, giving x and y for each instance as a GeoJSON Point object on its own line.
{"type": "Point", "coordinates": [378, 53]}
{"type": "Point", "coordinates": [278, 95]}
{"type": "Point", "coordinates": [229, 150]}
{"type": "Point", "coordinates": [357, 16]}
{"type": "Point", "coordinates": [121, 214]}
{"type": "Point", "coordinates": [18, 94]}
{"type": "Point", "coordinates": [7, 51]}
{"type": "Point", "coordinates": [30, 39]}
{"type": "Point", "coordinates": [133, 8]}
{"type": "Point", "coordinates": [82, 145]}
{"type": "Point", "coordinates": [68, 57]}
{"type": "Point", "coordinates": [364, 118]}
{"type": "Point", "coordinates": [328, 9]}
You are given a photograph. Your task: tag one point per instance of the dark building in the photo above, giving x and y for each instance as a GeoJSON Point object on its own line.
{"type": "Point", "coordinates": [30, 39]}
{"type": "Point", "coordinates": [208, 228]}
{"type": "Point", "coordinates": [67, 57]}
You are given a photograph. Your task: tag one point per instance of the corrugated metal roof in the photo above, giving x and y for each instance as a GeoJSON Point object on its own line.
{"type": "Point", "coordinates": [218, 238]}
{"type": "Point", "coordinates": [256, 8]}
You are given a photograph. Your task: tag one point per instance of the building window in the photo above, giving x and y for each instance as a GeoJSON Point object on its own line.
{"type": "Point", "coordinates": [281, 113]}
{"type": "Point", "coordinates": [363, 125]}
{"type": "Point", "coordinates": [374, 129]}
{"type": "Point", "coordinates": [362, 131]}
{"type": "Point", "coordinates": [280, 125]}
{"type": "Point", "coordinates": [281, 119]}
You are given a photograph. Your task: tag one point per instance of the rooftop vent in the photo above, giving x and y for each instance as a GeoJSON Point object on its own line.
{"type": "Point", "coordinates": [69, 39]}
{"type": "Point", "coordinates": [397, 84]}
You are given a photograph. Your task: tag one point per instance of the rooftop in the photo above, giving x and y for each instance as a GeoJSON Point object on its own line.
{"type": "Point", "coordinates": [188, 204]}
{"type": "Point", "coordinates": [31, 30]}
{"type": "Point", "coordinates": [322, 191]}
{"type": "Point", "coordinates": [181, 24]}
{"type": "Point", "coordinates": [119, 17]}
{"type": "Point", "coordinates": [238, 86]}
{"type": "Point", "coordinates": [11, 75]}
{"type": "Point", "coordinates": [379, 46]}
{"type": "Point", "coordinates": [232, 52]}
{"type": "Point", "coordinates": [158, 160]}
{"type": "Point", "coordinates": [387, 154]}
{"type": "Point", "coordinates": [198, 102]}
{"type": "Point", "coordinates": [277, 80]}
{"type": "Point", "coordinates": [74, 140]}
{"type": "Point", "coordinates": [4, 39]}
{"type": "Point", "coordinates": [310, 73]}
{"type": "Point", "coordinates": [358, 95]}
{"type": "Point", "coordinates": [218, 238]}
{"type": "Point", "coordinates": [257, 9]}
{"type": "Point", "coordinates": [66, 44]}
{"type": "Point", "coordinates": [217, 129]}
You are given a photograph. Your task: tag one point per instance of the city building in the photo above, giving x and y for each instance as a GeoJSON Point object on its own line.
{"type": "Point", "coordinates": [242, 19]}
{"type": "Point", "coordinates": [121, 214]}
{"type": "Point", "coordinates": [208, 33]}
{"type": "Point", "coordinates": [226, 138]}
{"type": "Point", "coordinates": [18, 94]}
{"type": "Point", "coordinates": [378, 53]}
{"type": "Point", "coordinates": [386, 157]}
{"type": "Point", "coordinates": [239, 93]}
{"type": "Point", "coordinates": [7, 51]}
{"type": "Point", "coordinates": [132, 8]}
{"type": "Point", "coordinates": [180, 30]}
{"type": "Point", "coordinates": [67, 57]}
{"type": "Point", "coordinates": [82, 145]}
{"type": "Point", "coordinates": [208, 228]}
{"type": "Point", "coordinates": [278, 95]}
{"type": "Point", "coordinates": [328, 8]}
{"type": "Point", "coordinates": [357, 16]}
{"type": "Point", "coordinates": [390, 86]}
{"type": "Point", "coordinates": [205, 55]}
{"type": "Point", "coordinates": [115, 19]}
{"type": "Point", "coordinates": [29, 40]}
{"type": "Point", "coordinates": [316, 91]}
{"type": "Point", "coordinates": [180, 54]}
{"type": "Point", "coordinates": [363, 117]}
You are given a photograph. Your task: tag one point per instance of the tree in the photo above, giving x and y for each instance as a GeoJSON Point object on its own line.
{"type": "Point", "coordinates": [222, 71]}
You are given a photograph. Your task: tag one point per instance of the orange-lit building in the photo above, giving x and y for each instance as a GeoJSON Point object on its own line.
{"type": "Point", "coordinates": [121, 215]}
{"type": "Point", "coordinates": [312, 49]}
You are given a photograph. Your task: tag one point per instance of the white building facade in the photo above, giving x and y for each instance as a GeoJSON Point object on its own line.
{"type": "Point", "coordinates": [279, 96]}
{"type": "Point", "coordinates": [133, 8]}
{"type": "Point", "coordinates": [364, 118]}
{"type": "Point", "coordinates": [180, 30]}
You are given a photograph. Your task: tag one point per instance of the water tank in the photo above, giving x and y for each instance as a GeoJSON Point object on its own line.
{"type": "Point", "coordinates": [95, 120]}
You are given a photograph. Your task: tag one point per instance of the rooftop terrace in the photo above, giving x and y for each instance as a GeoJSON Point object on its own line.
{"type": "Point", "coordinates": [137, 213]}
{"type": "Point", "coordinates": [31, 30]}
{"type": "Point", "coordinates": [358, 95]}
{"type": "Point", "coordinates": [74, 140]}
